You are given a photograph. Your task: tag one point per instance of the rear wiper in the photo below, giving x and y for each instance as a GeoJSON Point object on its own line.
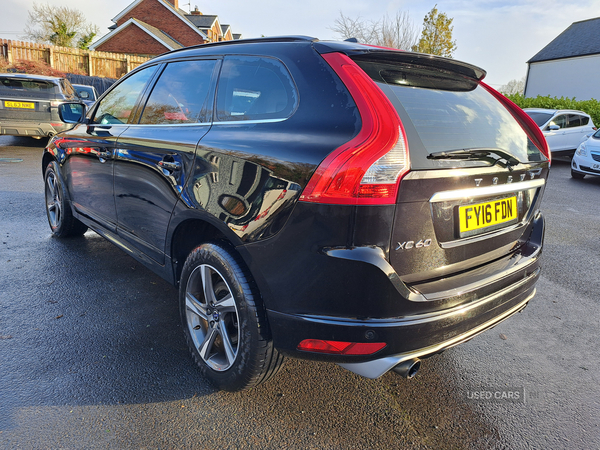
{"type": "Point", "coordinates": [477, 154]}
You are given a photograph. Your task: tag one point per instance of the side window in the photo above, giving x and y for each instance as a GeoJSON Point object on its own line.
{"type": "Point", "coordinates": [584, 120]}
{"type": "Point", "coordinates": [255, 88]}
{"type": "Point", "coordinates": [561, 121]}
{"type": "Point", "coordinates": [181, 93]}
{"type": "Point", "coordinates": [117, 105]}
{"type": "Point", "coordinates": [574, 120]}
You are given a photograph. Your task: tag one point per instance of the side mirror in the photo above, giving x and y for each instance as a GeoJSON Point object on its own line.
{"type": "Point", "coordinates": [71, 112]}
{"type": "Point", "coordinates": [553, 127]}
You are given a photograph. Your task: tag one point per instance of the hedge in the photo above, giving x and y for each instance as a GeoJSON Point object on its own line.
{"type": "Point", "coordinates": [591, 107]}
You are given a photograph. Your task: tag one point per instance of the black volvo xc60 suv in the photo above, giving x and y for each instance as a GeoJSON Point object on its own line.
{"type": "Point", "coordinates": [323, 200]}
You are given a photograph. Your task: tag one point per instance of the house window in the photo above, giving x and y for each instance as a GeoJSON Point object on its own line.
{"type": "Point", "coordinates": [255, 88]}
{"type": "Point", "coordinates": [180, 94]}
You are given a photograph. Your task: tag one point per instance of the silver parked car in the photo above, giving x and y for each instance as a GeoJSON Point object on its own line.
{"type": "Point", "coordinates": [586, 160]}
{"type": "Point", "coordinates": [564, 129]}
{"type": "Point", "coordinates": [29, 104]}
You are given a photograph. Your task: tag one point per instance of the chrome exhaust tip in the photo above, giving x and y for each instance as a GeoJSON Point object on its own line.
{"type": "Point", "coordinates": [409, 368]}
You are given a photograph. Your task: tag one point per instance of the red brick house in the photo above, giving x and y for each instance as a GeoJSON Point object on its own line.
{"type": "Point", "coordinates": [152, 27]}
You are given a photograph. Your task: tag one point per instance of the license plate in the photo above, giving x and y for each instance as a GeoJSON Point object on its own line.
{"type": "Point", "coordinates": [483, 215]}
{"type": "Point", "coordinates": [22, 105]}
{"type": "Point", "coordinates": [596, 166]}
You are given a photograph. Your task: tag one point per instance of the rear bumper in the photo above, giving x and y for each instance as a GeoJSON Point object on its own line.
{"type": "Point", "coordinates": [488, 296]}
{"type": "Point", "coordinates": [378, 367]}
{"type": "Point", "coordinates": [26, 128]}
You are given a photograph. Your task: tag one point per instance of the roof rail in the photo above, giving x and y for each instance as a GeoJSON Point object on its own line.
{"type": "Point", "coordinates": [253, 41]}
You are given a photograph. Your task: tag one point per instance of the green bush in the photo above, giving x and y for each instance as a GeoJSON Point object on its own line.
{"type": "Point", "coordinates": [591, 107]}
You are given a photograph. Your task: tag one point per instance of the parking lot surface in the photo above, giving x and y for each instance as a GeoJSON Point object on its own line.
{"type": "Point", "coordinates": [92, 354]}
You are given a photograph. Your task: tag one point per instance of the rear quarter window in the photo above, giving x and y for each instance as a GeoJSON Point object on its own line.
{"type": "Point", "coordinates": [255, 88]}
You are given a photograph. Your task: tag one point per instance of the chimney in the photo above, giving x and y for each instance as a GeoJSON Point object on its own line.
{"type": "Point", "coordinates": [195, 12]}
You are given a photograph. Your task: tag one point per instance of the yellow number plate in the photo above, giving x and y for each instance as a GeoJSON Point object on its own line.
{"type": "Point", "coordinates": [483, 215]}
{"type": "Point", "coordinates": [24, 105]}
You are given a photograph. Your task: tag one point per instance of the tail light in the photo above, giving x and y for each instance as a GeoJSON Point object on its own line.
{"type": "Point", "coordinates": [529, 126]}
{"type": "Point", "coordinates": [368, 169]}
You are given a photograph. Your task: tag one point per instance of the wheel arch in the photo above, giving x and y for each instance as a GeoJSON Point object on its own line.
{"type": "Point", "coordinates": [191, 232]}
{"type": "Point", "coordinates": [47, 158]}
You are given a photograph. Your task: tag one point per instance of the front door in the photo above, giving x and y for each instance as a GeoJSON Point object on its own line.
{"type": "Point", "coordinates": [91, 150]}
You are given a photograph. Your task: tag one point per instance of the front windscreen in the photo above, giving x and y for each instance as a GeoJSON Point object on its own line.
{"type": "Point", "coordinates": [540, 118]}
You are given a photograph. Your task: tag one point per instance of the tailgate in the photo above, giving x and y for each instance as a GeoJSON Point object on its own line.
{"type": "Point", "coordinates": [477, 175]}
{"type": "Point", "coordinates": [26, 109]}
{"type": "Point", "coordinates": [460, 220]}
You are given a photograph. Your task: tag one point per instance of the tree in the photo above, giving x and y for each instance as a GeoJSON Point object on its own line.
{"type": "Point", "coordinates": [397, 32]}
{"type": "Point", "coordinates": [436, 37]}
{"type": "Point", "coordinates": [87, 37]}
{"type": "Point", "coordinates": [513, 87]}
{"type": "Point", "coordinates": [59, 25]}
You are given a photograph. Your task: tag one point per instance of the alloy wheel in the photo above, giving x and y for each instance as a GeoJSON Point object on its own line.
{"type": "Point", "coordinates": [53, 200]}
{"type": "Point", "coordinates": [212, 317]}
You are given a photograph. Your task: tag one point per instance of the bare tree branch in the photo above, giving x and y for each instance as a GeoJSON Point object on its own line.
{"type": "Point", "coordinates": [397, 32]}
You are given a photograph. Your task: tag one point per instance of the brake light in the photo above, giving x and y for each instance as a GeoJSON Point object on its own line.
{"type": "Point", "coordinates": [340, 348]}
{"type": "Point", "coordinates": [529, 126]}
{"type": "Point", "coordinates": [368, 169]}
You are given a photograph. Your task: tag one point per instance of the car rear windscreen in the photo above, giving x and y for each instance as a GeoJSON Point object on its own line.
{"type": "Point", "coordinates": [449, 112]}
{"type": "Point", "coordinates": [27, 88]}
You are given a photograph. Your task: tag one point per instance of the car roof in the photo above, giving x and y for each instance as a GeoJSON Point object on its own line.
{"type": "Point", "coordinates": [348, 46]}
{"type": "Point", "coordinates": [83, 86]}
{"type": "Point", "coordinates": [31, 76]}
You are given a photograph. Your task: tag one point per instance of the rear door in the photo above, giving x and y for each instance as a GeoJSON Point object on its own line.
{"type": "Point", "coordinates": [155, 155]}
{"type": "Point", "coordinates": [476, 177]}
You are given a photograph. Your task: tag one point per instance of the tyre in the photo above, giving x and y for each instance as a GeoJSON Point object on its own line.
{"type": "Point", "coordinates": [58, 209]}
{"type": "Point", "coordinates": [577, 175]}
{"type": "Point", "coordinates": [225, 324]}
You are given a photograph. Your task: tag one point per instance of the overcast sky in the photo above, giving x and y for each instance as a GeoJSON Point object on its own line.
{"type": "Point", "coordinates": [499, 36]}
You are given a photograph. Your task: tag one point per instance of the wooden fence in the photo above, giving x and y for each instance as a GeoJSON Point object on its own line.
{"type": "Point", "coordinates": [72, 60]}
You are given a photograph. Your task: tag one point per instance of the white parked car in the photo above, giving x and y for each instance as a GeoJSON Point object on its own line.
{"type": "Point", "coordinates": [586, 160]}
{"type": "Point", "coordinates": [564, 129]}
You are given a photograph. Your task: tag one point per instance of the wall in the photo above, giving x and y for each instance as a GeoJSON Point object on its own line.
{"type": "Point", "coordinates": [154, 13]}
{"type": "Point", "coordinates": [569, 77]}
{"type": "Point", "coordinates": [135, 40]}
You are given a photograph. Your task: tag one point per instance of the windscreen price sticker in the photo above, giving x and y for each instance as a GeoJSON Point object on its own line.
{"type": "Point", "coordinates": [483, 215]}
